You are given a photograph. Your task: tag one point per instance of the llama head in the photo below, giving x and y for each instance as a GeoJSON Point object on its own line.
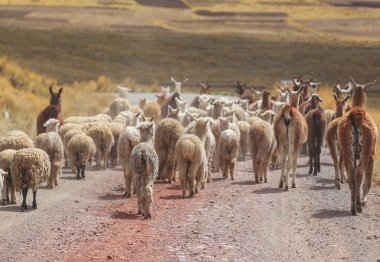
{"type": "Point", "coordinates": [201, 125]}
{"type": "Point", "coordinates": [142, 102]}
{"type": "Point", "coordinates": [165, 90]}
{"type": "Point", "coordinates": [297, 81]}
{"type": "Point", "coordinates": [294, 96]}
{"type": "Point", "coordinates": [359, 92]}
{"type": "Point", "coordinates": [55, 98]}
{"type": "Point", "coordinates": [123, 91]}
{"type": "Point", "coordinates": [313, 86]}
{"type": "Point", "coordinates": [161, 99]}
{"type": "Point", "coordinates": [240, 89]}
{"type": "Point", "coordinates": [340, 105]}
{"type": "Point", "coordinates": [178, 85]}
{"type": "Point", "coordinates": [205, 88]}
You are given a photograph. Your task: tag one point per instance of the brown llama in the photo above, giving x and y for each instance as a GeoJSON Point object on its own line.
{"type": "Point", "coordinates": [244, 94]}
{"type": "Point", "coordinates": [357, 136]}
{"type": "Point", "coordinates": [331, 138]}
{"type": "Point", "coordinates": [170, 101]}
{"type": "Point", "coordinates": [290, 131]}
{"type": "Point", "coordinates": [316, 123]}
{"type": "Point", "coordinates": [53, 110]}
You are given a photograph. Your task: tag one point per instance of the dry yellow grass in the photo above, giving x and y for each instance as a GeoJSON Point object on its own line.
{"type": "Point", "coordinates": [24, 94]}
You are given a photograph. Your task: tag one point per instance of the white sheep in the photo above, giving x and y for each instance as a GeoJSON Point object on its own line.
{"type": "Point", "coordinates": [116, 129]}
{"type": "Point", "coordinates": [16, 140]}
{"type": "Point", "coordinates": [6, 157]}
{"type": "Point", "coordinates": [144, 166]}
{"type": "Point", "coordinates": [30, 168]}
{"type": "Point", "coordinates": [104, 140]}
{"type": "Point", "coordinates": [190, 156]}
{"type": "Point", "coordinates": [53, 146]}
{"type": "Point", "coordinates": [80, 149]}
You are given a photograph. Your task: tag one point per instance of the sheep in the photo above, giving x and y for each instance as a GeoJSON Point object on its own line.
{"type": "Point", "coordinates": [190, 155]}
{"type": "Point", "coordinates": [243, 142]}
{"type": "Point", "coordinates": [62, 131]}
{"type": "Point", "coordinates": [116, 129]}
{"type": "Point", "coordinates": [144, 167]}
{"type": "Point", "coordinates": [150, 109]}
{"type": "Point", "coordinates": [53, 146]}
{"type": "Point", "coordinates": [262, 143]}
{"type": "Point", "coordinates": [128, 139]}
{"type": "Point", "coordinates": [290, 129]}
{"type": "Point", "coordinates": [6, 157]}
{"type": "Point", "coordinates": [30, 167]}
{"type": "Point", "coordinates": [316, 122]}
{"type": "Point", "coordinates": [168, 132]}
{"type": "Point", "coordinates": [80, 149]}
{"type": "Point", "coordinates": [357, 136]}
{"type": "Point", "coordinates": [104, 140]}
{"type": "Point", "coordinates": [53, 110]}
{"type": "Point", "coordinates": [16, 140]}
{"type": "Point", "coordinates": [228, 148]}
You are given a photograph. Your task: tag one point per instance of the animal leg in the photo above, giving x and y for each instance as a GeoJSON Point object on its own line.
{"type": "Point", "coordinates": [78, 171]}
{"type": "Point", "coordinates": [24, 194]}
{"type": "Point", "coordinates": [34, 199]}
{"type": "Point", "coordinates": [232, 169]}
{"type": "Point", "coordinates": [283, 162]}
{"type": "Point", "coordinates": [341, 169]}
{"type": "Point", "coordinates": [82, 170]}
{"type": "Point", "coordinates": [294, 168]}
{"type": "Point", "coordinates": [148, 199]}
{"type": "Point", "coordinates": [368, 180]}
{"type": "Point", "coordinates": [311, 159]}
{"type": "Point", "coordinates": [128, 182]}
{"type": "Point", "coordinates": [13, 195]}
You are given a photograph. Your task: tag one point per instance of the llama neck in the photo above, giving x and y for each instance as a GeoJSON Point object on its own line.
{"type": "Point", "coordinates": [358, 100]}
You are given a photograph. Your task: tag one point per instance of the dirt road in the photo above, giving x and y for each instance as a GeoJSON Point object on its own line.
{"type": "Point", "coordinates": [228, 221]}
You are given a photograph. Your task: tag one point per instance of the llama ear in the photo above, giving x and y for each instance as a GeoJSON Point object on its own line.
{"type": "Point", "coordinates": [51, 90]}
{"type": "Point", "coordinates": [137, 114]}
{"type": "Point", "coordinates": [151, 119]}
{"type": "Point", "coordinates": [369, 84]}
{"type": "Point", "coordinates": [60, 91]}
{"type": "Point", "coordinates": [170, 109]}
{"type": "Point", "coordinates": [320, 99]}
{"type": "Point", "coordinates": [151, 125]}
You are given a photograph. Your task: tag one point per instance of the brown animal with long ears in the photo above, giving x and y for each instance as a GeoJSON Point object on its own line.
{"type": "Point", "coordinates": [331, 138]}
{"type": "Point", "coordinates": [357, 136]}
{"type": "Point", "coordinates": [316, 123]}
{"type": "Point", "coordinates": [53, 110]}
{"type": "Point", "coordinates": [244, 94]}
{"type": "Point", "coordinates": [290, 131]}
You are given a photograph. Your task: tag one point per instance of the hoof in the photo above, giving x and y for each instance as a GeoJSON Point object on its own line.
{"type": "Point", "coordinates": [286, 188]}
{"type": "Point", "coordinates": [353, 212]}
{"type": "Point", "coordinates": [139, 212]}
{"type": "Point", "coordinates": [232, 178]}
{"type": "Point", "coordinates": [127, 194]}
{"type": "Point", "coordinates": [34, 206]}
{"type": "Point", "coordinates": [78, 177]}
{"type": "Point", "coordinates": [183, 196]}
{"type": "Point", "coordinates": [147, 216]}
{"type": "Point", "coordinates": [363, 203]}
{"type": "Point", "coordinates": [315, 174]}
{"type": "Point", "coordinates": [281, 185]}
{"type": "Point", "coordinates": [293, 185]}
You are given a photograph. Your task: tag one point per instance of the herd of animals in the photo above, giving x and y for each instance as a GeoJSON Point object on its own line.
{"type": "Point", "coordinates": [153, 140]}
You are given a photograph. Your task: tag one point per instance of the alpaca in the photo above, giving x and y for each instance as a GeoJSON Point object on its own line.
{"type": "Point", "coordinates": [171, 100]}
{"type": "Point", "coordinates": [53, 110]}
{"type": "Point", "coordinates": [290, 130]}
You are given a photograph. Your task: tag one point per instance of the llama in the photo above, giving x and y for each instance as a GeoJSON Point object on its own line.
{"type": "Point", "coordinates": [357, 136]}
{"type": "Point", "coordinates": [53, 110]}
{"type": "Point", "coordinates": [316, 122]}
{"type": "Point", "coordinates": [290, 130]}
{"type": "Point", "coordinates": [331, 138]}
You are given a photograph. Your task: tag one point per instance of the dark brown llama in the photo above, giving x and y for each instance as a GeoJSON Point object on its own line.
{"type": "Point", "coordinates": [53, 110]}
